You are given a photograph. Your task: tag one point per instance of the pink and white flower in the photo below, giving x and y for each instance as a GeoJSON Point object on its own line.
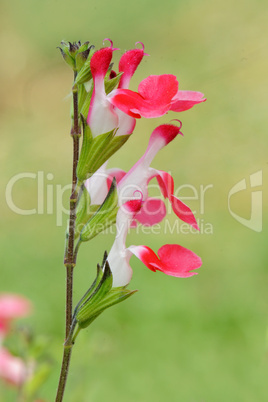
{"type": "Point", "coordinates": [172, 259]}
{"type": "Point", "coordinates": [135, 182]}
{"type": "Point", "coordinates": [103, 116]}
{"type": "Point", "coordinates": [132, 187]}
{"type": "Point", "coordinates": [141, 174]}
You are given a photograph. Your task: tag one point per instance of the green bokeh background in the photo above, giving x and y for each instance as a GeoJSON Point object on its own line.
{"type": "Point", "coordinates": [201, 339]}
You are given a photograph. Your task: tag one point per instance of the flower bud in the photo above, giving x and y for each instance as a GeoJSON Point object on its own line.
{"type": "Point", "coordinates": [75, 54]}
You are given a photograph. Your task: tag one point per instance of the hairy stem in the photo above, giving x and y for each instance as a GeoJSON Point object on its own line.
{"type": "Point", "coordinates": [69, 257]}
{"type": "Point", "coordinates": [64, 373]}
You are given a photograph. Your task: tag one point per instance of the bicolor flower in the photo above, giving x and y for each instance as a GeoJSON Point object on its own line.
{"type": "Point", "coordinates": [135, 182]}
{"type": "Point", "coordinates": [153, 210]}
{"type": "Point", "coordinates": [172, 259]}
{"type": "Point", "coordinates": [103, 116]}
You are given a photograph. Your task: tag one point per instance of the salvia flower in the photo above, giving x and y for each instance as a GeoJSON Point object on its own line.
{"type": "Point", "coordinates": [134, 203]}
{"type": "Point", "coordinates": [135, 182]}
{"type": "Point", "coordinates": [172, 259]}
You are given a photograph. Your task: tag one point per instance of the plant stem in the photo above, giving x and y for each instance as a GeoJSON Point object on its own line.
{"type": "Point", "coordinates": [64, 373]}
{"type": "Point", "coordinates": [69, 260]}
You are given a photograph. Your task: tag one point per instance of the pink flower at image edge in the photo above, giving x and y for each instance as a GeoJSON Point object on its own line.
{"type": "Point", "coordinates": [12, 306]}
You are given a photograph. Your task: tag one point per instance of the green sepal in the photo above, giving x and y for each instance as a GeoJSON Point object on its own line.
{"type": "Point", "coordinates": [92, 288]}
{"type": "Point", "coordinates": [116, 143]}
{"type": "Point", "coordinates": [91, 157]}
{"type": "Point", "coordinates": [100, 297]}
{"type": "Point", "coordinates": [84, 74]}
{"type": "Point", "coordinates": [84, 158]}
{"type": "Point", "coordinates": [80, 59]}
{"type": "Point", "coordinates": [86, 104]}
{"type": "Point", "coordinates": [85, 47]}
{"type": "Point", "coordinates": [104, 217]}
{"type": "Point", "coordinates": [112, 83]}
{"type": "Point", "coordinates": [88, 212]}
{"type": "Point", "coordinates": [84, 211]}
{"type": "Point", "coordinates": [96, 151]}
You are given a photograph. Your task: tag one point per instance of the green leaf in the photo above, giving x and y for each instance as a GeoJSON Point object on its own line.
{"type": "Point", "coordinates": [103, 217]}
{"type": "Point", "coordinates": [82, 97]}
{"type": "Point", "coordinates": [82, 211]}
{"type": "Point", "coordinates": [84, 155]}
{"type": "Point", "coordinates": [84, 74]}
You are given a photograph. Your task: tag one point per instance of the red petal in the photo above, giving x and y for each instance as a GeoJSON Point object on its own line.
{"type": "Point", "coordinates": [136, 106]}
{"type": "Point", "coordinates": [161, 88]}
{"type": "Point", "coordinates": [128, 64]}
{"type": "Point", "coordinates": [146, 255]}
{"type": "Point", "coordinates": [100, 62]}
{"type": "Point", "coordinates": [132, 206]}
{"type": "Point", "coordinates": [185, 100]}
{"type": "Point", "coordinates": [173, 259]}
{"type": "Point", "coordinates": [166, 131]}
{"type": "Point", "coordinates": [176, 260]}
{"type": "Point", "coordinates": [153, 211]}
{"type": "Point", "coordinates": [166, 184]}
{"type": "Point", "coordinates": [183, 212]}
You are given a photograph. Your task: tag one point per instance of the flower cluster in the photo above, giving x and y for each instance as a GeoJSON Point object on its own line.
{"type": "Point", "coordinates": [108, 110]}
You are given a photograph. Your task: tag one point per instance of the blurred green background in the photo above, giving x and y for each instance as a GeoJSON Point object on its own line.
{"type": "Point", "coordinates": [202, 339]}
